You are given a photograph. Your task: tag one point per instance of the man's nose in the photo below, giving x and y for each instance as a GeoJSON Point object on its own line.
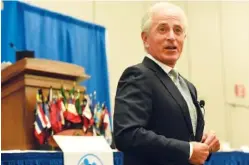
{"type": "Point", "coordinates": [171, 35]}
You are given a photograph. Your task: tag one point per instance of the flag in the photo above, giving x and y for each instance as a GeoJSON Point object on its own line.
{"type": "Point", "coordinates": [78, 103]}
{"type": "Point", "coordinates": [94, 102]}
{"type": "Point", "coordinates": [53, 112]}
{"type": "Point", "coordinates": [107, 126]}
{"type": "Point", "coordinates": [44, 108]}
{"type": "Point", "coordinates": [71, 113]}
{"type": "Point", "coordinates": [97, 119]}
{"type": "Point", "coordinates": [40, 125]}
{"type": "Point", "coordinates": [47, 115]}
{"type": "Point", "coordinates": [61, 108]}
{"type": "Point", "coordinates": [62, 90]}
{"type": "Point", "coordinates": [55, 117]}
{"type": "Point", "coordinates": [42, 118]}
{"type": "Point", "coordinates": [39, 134]}
{"type": "Point", "coordinates": [72, 92]}
{"type": "Point", "coordinates": [87, 116]}
{"type": "Point", "coordinates": [40, 121]}
{"type": "Point", "coordinates": [50, 95]}
{"type": "Point", "coordinates": [41, 115]}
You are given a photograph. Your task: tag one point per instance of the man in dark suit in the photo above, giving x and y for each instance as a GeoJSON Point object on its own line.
{"type": "Point", "coordinates": [157, 118]}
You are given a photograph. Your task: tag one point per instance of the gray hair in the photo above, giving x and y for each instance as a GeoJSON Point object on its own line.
{"type": "Point", "coordinates": [147, 18]}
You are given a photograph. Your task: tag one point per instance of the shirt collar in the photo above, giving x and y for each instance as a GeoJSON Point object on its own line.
{"type": "Point", "coordinates": [165, 67]}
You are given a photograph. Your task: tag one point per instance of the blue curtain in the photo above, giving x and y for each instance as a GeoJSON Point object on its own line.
{"type": "Point", "coordinates": [57, 37]}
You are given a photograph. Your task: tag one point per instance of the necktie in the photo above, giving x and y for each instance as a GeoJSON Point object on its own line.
{"type": "Point", "coordinates": [183, 88]}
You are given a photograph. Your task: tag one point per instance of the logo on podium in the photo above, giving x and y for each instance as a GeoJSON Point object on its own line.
{"type": "Point", "coordinates": [90, 159]}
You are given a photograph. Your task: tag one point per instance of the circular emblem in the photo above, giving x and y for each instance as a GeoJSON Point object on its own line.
{"type": "Point", "coordinates": [90, 159]}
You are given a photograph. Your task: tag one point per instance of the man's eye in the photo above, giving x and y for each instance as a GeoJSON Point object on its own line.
{"type": "Point", "coordinates": [178, 30]}
{"type": "Point", "coordinates": [162, 29]}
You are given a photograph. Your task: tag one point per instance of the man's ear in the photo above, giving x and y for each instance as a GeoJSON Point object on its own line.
{"type": "Point", "coordinates": [144, 37]}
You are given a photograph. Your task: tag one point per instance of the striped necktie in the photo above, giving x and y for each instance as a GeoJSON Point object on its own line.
{"type": "Point", "coordinates": [183, 88]}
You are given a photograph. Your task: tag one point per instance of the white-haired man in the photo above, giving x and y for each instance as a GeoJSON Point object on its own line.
{"type": "Point", "coordinates": [157, 118]}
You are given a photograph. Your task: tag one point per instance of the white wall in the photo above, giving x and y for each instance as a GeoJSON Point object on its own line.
{"type": "Point", "coordinates": [235, 39]}
{"type": "Point", "coordinates": [206, 61]}
{"type": "Point", "coordinates": [125, 46]}
{"type": "Point", "coordinates": [216, 53]}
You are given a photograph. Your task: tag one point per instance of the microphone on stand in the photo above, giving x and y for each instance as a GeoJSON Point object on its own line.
{"type": "Point", "coordinates": [13, 46]}
{"type": "Point", "coordinates": [5, 64]}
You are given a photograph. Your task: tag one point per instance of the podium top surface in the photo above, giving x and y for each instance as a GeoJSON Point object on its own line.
{"type": "Point", "coordinates": [45, 67]}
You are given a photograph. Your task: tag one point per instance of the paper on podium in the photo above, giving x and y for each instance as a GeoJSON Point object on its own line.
{"type": "Point", "coordinates": [81, 149]}
{"type": "Point", "coordinates": [82, 143]}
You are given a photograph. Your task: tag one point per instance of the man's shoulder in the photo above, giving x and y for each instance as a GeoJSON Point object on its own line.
{"type": "Point", "coordinates": [137, 72]}
{"type": "Point", "coordinates": [137, 68]}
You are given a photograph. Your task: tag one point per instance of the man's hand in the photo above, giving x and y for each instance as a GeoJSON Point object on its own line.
{"type": "Point", "coordinates": [200, 153]}
{"type": "Point", "coordinates": [212, 141]}
{"type": "Point", "coordinates": [204, 137]}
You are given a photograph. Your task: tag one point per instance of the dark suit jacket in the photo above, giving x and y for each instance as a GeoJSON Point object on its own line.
{"type": "Point", "coordinates": [152, 124]}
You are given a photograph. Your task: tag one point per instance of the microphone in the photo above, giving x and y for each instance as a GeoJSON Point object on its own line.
{"type": "Point", "coordinates": [22, 54]}
{"type": "Point", "coordinates": [13, 46]}
{"type": "Point", "coordinates": [202, 103]}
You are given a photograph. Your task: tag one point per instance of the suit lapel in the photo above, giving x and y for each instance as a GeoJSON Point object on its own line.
{"type": "Point", "coordinates": [200, 119]}
{"type": "Point", "coordinates": [173, 90]}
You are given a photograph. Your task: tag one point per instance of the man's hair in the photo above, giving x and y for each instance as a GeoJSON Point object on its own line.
{"type": "Point", "coordinates": [147, 18]}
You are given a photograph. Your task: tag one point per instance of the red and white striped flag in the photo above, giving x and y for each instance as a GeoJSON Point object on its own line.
{"type": "Point", "coordinates": [40, 124]}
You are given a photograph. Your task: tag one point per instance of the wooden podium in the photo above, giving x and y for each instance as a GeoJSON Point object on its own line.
{"type": "Point", "coordinates": [20, 83]}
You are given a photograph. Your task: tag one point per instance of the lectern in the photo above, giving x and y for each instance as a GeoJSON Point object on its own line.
{"type": "Point", "coordinates": [20, 83]}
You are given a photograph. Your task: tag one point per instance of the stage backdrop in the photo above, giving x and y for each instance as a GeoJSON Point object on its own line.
{"type": "Point", "coordinates": [57, 37]}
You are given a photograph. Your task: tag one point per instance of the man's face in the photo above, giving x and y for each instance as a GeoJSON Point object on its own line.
{"type": "Point", "coordinates": [166, 36]}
